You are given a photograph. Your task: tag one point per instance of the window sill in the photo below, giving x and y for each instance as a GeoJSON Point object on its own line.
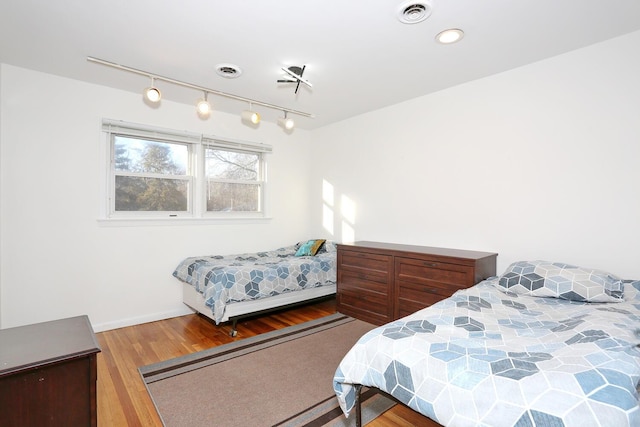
{"type": "Point", "coordinates": [144, 222]}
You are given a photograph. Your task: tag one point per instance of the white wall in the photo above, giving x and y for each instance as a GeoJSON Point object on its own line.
{"type": "Point", "coordinates": [57, 260]}
{"type": "Point", "coordinates": [1, 179]}
{"type": "Point", "coordinates": [540, 162]}
{"type": "Point", "coordinates": [536, 163]}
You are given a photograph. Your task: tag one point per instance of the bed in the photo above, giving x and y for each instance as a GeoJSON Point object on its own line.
{"type": "Point", "coordinates": [229, 287]}
{"type": "Point", "coordinates": [545, 344]}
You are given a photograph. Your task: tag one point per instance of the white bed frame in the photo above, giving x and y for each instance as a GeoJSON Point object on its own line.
{"type": "Point", "coordinates": [236, 310]}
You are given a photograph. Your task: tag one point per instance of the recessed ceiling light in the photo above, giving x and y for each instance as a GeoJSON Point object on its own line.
{"type": "Point", "coordinates": [228, 71]}
{"type": "Point", "coordinates": [412, 12]}
{"type": "Point", "coordinates": [450, 36]}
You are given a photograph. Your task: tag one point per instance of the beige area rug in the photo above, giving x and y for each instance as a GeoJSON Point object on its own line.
{"type": "Point", "coordinates": [281, 378]}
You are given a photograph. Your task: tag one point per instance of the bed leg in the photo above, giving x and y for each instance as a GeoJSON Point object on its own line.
{"type": "Point", "coordinates": [234, 331]}
{"type": "Point", "coordinates": [358, 406]}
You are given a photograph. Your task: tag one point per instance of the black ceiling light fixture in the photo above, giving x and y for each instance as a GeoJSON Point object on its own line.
{"type": "Point", "coordinates": [294, 75]}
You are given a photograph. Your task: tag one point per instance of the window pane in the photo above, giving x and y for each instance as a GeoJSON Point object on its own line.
{"type": "Point", "coordinates": [222, 164]}
{"type": "Point", "coordinates": [232, 197]}
{"type": "Point", "coordinates": [144, 156]}
{"type": "Point", "coordinates": [151, 194]}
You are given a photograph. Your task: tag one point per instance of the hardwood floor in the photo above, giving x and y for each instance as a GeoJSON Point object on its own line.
{"type": "Point", "coordinates": [122, 397]}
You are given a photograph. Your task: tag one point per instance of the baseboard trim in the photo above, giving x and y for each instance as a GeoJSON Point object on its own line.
{"type": "Point", "coordinates": [106, 326]}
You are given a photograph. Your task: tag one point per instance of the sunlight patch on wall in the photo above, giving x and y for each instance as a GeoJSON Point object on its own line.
{"type": "Point", "coordinates": [348, 209]}
{"type": "Point", "coordinates": [334, 215]}
{"type": "Point", "coordinates": [327, 218]}
{"type": "Point", "coordinates": [348, 212]}
{"type": "Point", "coordinates": [327, 206]}
{"type": "Point", "coordinates": [327, 193]}
{"type": "Point", "coordinates": [348, 233]}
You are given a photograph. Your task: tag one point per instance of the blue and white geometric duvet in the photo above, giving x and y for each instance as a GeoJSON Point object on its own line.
{"type": "Point", "coordinates": [225, 279]}
{"type": "Point", "coordinates": [490, 357]}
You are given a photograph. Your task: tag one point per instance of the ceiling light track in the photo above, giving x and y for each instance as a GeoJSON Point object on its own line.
{"type": "Point", "coordinates": [155, 77]}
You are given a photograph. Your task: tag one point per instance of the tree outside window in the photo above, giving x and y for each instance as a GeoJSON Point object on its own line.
{"type": "Point", "coordinates": [150, 175]}
{"type": "Point", "coordinates": [233, 181]}
{"type": "Point", "coordinates": [156, 173]}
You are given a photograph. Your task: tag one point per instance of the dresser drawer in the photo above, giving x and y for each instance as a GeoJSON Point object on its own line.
{"type": "Point", "coordinates": [412, 297]}
{"type": "Point", "coordinates": [368, 306]}
{"type": "Point", "coordinates": [375, 266]}
{"type": "Point", "coordinates": [364, 281]}
{"type": "Point", "coordinates": [365, 271]}
{"type": "Point", "coordinates": [421, 283]}
{"type": "Point", "coordinates": [434, 274]}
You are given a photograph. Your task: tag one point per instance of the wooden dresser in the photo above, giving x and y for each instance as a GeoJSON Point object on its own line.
{"type": "Point", "coordinates": [380, 282]}
{"type": "Point", "coordinates": [48, 374]}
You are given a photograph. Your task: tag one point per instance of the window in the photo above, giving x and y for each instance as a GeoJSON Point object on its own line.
{"type": "Point", "coordinates": [159, 173]}
{"type": "Point", "coordinates": [150, 176]}
{"type": "Point", "coordinates": [234, 181]}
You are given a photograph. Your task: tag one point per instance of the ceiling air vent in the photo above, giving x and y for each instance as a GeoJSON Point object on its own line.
{"type": "Point", "coordinates": [413, 12]}
{"type": "Point", "coordinates": [228, 71]}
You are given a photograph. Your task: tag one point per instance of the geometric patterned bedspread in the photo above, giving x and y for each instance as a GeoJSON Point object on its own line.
{"type": "Point", "coordinates": [225, 279]}
{"type": "Point", "coordinates": [484, 357]}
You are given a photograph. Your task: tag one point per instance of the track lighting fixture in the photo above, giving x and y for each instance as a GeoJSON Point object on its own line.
{"type": "Point", "coordinates": [203, 107]}
{"type": "Point", "coordinates": [251, 116]}
{"type": "Point", "coordinates": [285, 122]}
{"type": "Point", "coordinates": [152, 93]}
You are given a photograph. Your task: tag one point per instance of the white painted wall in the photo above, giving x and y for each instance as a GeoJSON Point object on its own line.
{"type": "Point", "coordinates": [536, 163]}
{"type": "Point", "coordinates": [57, 260]}
{"type": "Point", "coordinates": [1, 204]}
{"type": "Point", "coordinates": [540, 162]}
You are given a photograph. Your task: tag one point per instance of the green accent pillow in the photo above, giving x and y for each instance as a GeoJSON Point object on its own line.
{"type": "Point", "coordinates": [310, 248]}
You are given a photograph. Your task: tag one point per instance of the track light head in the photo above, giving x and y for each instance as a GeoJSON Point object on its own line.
{"type": "Point", "coordinates": [251, 116]}
{"type": "Point", "coordinates": [288, 124]}
{"type": "Point", "coordinates": [152, 93]}
{"type": "Point", "coordinates": [203, 107]}
{"type": "Point", "coordinates": [285, 122]}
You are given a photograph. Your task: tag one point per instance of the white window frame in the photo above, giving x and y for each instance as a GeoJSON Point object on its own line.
{"type": "Point", "coordinates": [197, 197]}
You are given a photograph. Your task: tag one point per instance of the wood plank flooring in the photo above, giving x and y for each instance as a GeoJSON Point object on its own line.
{"type": "Point", "coordinates": [122, 397]}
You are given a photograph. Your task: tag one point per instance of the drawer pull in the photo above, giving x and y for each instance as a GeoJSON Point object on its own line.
{"type": "Point", "coordinates": [430, 264]}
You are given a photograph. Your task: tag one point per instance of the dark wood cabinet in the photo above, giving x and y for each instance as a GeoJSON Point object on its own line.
{"type": "Point", "coordinates": [364, 280]}
{"type": "Point", "coordinates": [48, 374]}
{"type": "Point", "coordinates": [381, 282]}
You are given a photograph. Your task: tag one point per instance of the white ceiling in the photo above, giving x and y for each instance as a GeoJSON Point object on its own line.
{"type": "Point", "coordinates": [359, 56]}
